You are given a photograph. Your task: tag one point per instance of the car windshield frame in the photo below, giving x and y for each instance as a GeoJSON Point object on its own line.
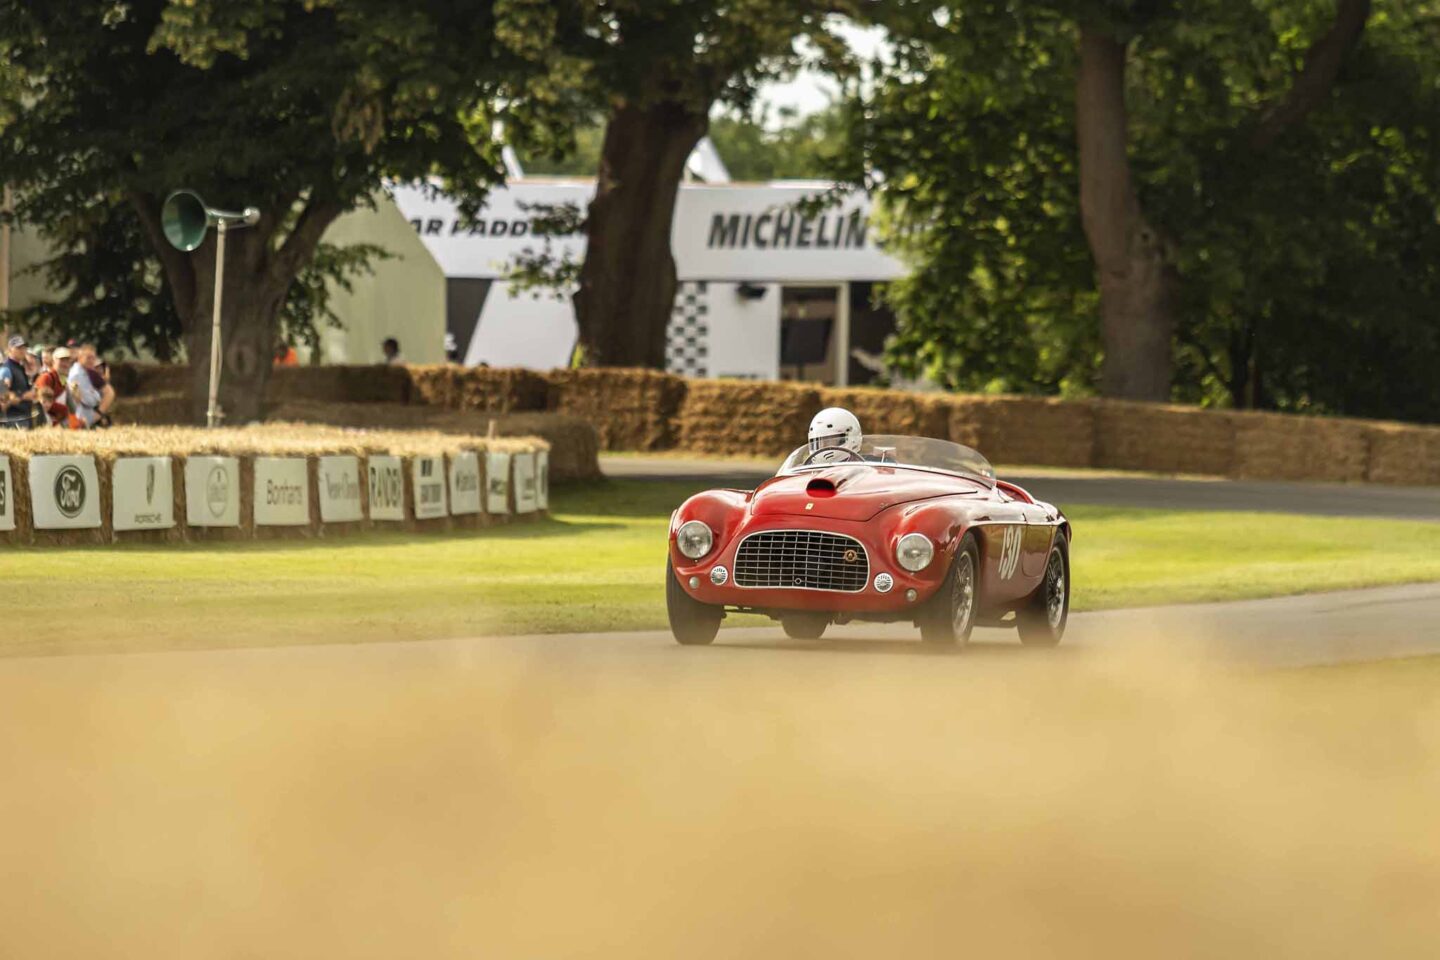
{"type": "Point", "coordinates": [907, 453]}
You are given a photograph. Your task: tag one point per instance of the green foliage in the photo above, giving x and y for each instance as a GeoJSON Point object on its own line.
{"type": "Point", "coordinates": [794, 147]}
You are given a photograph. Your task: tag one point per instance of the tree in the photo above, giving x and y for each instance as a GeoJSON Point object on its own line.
{"type": "Point", "coordinates": [657, 69]}
{"type": "Point", "coordinates": [298, 107]}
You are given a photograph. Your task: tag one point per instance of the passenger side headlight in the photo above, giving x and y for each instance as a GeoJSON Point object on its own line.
{"type": "Point", "coordinates": [914, 552]}
{"type": "Point", "coordinates": [694, 539]}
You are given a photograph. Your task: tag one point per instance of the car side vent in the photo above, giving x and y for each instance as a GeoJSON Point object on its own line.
{"type": "Point", "coordinates": [820, 487]}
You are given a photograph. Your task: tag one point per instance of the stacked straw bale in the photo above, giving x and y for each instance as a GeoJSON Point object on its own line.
{"type": "Point", "coordinates": [1163, 438]}
{"type": "Point", "coordinates": [1402, 454]}
{"type": "Point", "coordinates": [1028, 430]}
{"type": "Point", "coordinates": [1274, 446]}
{"type": "Point", "coordinates": [631, 409]}
{"type": "Point", "coordinates": [746, 417]}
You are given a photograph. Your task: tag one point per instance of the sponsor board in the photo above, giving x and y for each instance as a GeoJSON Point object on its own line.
{"type": "Point", "coordinates": [142, 494]}
{"type": "Point", "coordinates": [7, 495]}
{"type": "Point", "coordinates": [428, 477]}
{"type": "Point", "coordinates": [542, 479]}
{"type": "Point", "coordinates": [497, 483]}
{"type": "Point", "coordinates": [525, 492]}
{"type": "Point", "coordinates": [64, 493]}
{"type": "Point", "coordinates": [339, 482]}
{"type": "Point", "coordinates": [387, 488]}
{"type": "Point", "coordinates": [282, 492]}
{"type": "Point", "coordinates": [464, 483]}
{"type": "Point", "coordinates": [212, 491]}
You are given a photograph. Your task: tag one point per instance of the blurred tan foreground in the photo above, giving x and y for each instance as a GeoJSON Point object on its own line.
{"type": "Point", "coordinates": [505, 799]}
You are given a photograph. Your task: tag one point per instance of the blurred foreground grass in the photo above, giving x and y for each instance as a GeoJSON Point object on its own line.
{"type": "Point", "coordinates": [597, 565]}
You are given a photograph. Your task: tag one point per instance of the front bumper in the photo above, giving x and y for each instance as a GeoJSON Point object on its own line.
{"type": "Point", "coordinates": [878, 548]}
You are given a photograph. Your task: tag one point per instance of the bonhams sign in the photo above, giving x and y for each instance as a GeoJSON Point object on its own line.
{"type": "Point", "coordinates": [282, 492]}
{"type": "Point", "coordinates": [144, 494]}
{"type": "Point", "coordinates": [464, 483]}
{"type": "Point", "coordinates": [428, 478]}
{"type": "Point", "coordinates": [387, 488]}
{"type": "Point", "coordinates": [340, 490]}
{"type": "Point", "coordinates": [65, 493]}
{"type": "Point", "coordinates": [212, 491]}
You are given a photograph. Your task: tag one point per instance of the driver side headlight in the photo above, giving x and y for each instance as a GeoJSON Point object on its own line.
{"type": "Point", "coordinates": [694, 539]}
{"type": "Point", "coordinates": [914, 552]}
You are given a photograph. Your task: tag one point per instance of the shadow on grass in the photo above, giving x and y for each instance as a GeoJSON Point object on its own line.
{"type": "Point", "coordinates": [901, 648]}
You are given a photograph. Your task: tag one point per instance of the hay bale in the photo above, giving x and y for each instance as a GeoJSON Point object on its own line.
{"type": "Point", "coordinates": [1163, 438]}
{"type": "Point", "coordinates": [153, 410]}
{"type": "Point", "coordinates": [1404, 454]}
{"type": "Point", "coordinates": [892, 411]}
{"type": "Point", "coordinates": [1277, 446]}
{"type": "Point", "coordinates": [353, 383]}
{"type": "Point", "coordinates": [746, 417]}
{"type": "Point", "coordinates": [145, 379]}
{"type": "Point", "coordinates": [631, 409]}
{"type": "Point", "coordinates": [1036, 431]}
{"type": "Point", "coordinates": [490, 389]}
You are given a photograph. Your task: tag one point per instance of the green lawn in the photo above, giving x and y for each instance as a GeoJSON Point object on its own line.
{"type": "Point", "coordinates": [597, 565]}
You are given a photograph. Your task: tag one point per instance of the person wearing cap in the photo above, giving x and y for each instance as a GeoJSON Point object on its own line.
{"type": "Point", "coordinates": [17, 393]}
{"type": "Point", "coordinates": [52, 390]}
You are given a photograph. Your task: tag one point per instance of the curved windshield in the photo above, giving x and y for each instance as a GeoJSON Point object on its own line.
{"type": "Point", "coordinates": [917, 452]}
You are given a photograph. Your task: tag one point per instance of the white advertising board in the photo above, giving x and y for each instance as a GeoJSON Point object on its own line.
{"type": "Point", "coordinates": [465, 483]}
{"type": "Point", "coordinates": [751, 232]}
{"type": "Point", "coordinates": [497, 483]}
{"type": "Point", "coordinates": [339, 483]}
{"type": "Point", "coordinates": [142, 494]}
{"type": "Point", "coordinates": [387, 488]}
{"type": "Point", "coordinates": [212, 491]}
{"type": "Point", "coordinates": [282, 492]}
{"type": "Point", "coordinates": [64, 493]}
{"type": "Point", "coordinates": [428, 481]}
{"type": "Point", "coordinates": [525, 483]}
{"type": "Point", "coordinates": [7, 495]}
{"type": "Point", "coordinates": [542, 479]}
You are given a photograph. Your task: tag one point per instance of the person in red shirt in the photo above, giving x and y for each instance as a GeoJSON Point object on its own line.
{"type": "Point", "coordinates": [52, 390]}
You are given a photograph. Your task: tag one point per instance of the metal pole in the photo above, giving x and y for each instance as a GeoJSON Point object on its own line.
{"type": "Point", "coordinates": [212, 412]}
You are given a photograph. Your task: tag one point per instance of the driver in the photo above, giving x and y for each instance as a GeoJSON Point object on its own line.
{"type": "Point", "coordinates": [837, 430]}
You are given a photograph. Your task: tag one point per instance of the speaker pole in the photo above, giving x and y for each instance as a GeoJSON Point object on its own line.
{"type": "Point", "coordinates": [212, 411]}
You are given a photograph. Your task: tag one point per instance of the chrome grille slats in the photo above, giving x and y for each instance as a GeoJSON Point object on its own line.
{"type": "Point", "coordinates": [801, 560]}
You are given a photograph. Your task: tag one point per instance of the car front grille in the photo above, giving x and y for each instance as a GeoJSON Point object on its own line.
{"type": "Point", "coordinates": [802, 559]}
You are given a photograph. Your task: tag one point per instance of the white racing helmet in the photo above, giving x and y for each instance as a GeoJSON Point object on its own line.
{"type": "Point", "coordinates": [835, 427]}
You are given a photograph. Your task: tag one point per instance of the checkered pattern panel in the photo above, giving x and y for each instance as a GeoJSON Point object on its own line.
{"type": "Point", "coordinates": [687, 338]}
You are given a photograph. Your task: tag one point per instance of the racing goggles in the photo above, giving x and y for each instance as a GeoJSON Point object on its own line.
{"type": "Point", "coordinates": [827, 441]}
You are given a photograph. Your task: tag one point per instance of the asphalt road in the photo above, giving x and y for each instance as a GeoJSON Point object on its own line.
{"type": "Point", "coordinates": [1062, 488]}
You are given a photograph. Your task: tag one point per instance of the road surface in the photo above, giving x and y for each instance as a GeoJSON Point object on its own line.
{"type": "Point", "coordinates": [1065, 488]}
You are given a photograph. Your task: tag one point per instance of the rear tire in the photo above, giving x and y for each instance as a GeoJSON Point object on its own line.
{"type": "Point", "coordinates": [1041, 621]}
{"type": "Point", "coordinates": [951, 613]}
{"type": "Point", "coordinates": [692, 623]}
{"type": "Point", "coordinates": [805, 626]}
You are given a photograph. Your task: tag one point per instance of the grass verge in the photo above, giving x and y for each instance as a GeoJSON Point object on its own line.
{"type": "Point", "coordinates": [597, 565]}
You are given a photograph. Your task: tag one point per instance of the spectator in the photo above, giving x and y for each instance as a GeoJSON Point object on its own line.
{"type": "Point", "coordinates": [452, 348]}
{"type": "Point", "coordinates": [391, 349]}
{"type": "Point", "coordinates": [91, 395]}
{"type": "Point", "coordinates": [285, 355]}
{"type": "Point", "coordinates": [52, 390]}
{"type": "Point", "coordinates": [17, 392]}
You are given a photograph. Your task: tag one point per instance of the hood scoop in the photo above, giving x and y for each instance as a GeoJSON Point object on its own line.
{"type": "Point", "coordinates": [820, 488]}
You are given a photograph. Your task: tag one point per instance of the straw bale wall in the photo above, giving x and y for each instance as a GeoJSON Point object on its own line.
{"type": "Point", "coordinates": [1163, 438]}
{"type": "Point", "coordinates": [891, 411]}
{"type": "Point", "coordinates": [746, 417]}
{"type": "Point", "coordinates": [1273, 446]}
{"type": "Point", "coordinates": [1029, 430]}
{"type": "Point", "coordinates": [306, 443]}
{"type": "Point", "coordinates": [1405, 455]}
{"type": "Point", "coordinates": [631, 409]}
{"type": "Point", "coordinates": [492, 390]}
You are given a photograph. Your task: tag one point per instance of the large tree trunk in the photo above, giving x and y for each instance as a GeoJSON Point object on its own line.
{"type": "Point", "coordinates": [627, 283]}
{"type": "Point", "coordinates": [1134, 273]}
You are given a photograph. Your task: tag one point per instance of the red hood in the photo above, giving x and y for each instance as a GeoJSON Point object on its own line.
{"type": "Point", "coordinates": [859, 492]}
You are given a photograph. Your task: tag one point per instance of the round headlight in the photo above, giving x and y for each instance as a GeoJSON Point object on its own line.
{"type": "Point", "coordinates": [914, 552]}
{"type": "Point", "coordinates": [694, 539]}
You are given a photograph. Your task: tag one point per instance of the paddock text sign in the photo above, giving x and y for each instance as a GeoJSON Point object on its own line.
{"type": "Point", "coordinates": [143, 491]}
{"type": "Point", "coordinates": [65, 493]}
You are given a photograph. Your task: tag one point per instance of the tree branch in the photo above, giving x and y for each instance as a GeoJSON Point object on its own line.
{"type": "Point", "coordinates": [178, 269]}
{"type": "Point", "coordinates": [300, 245]}
{"type": "Point", "coordinates": [1315, 79]}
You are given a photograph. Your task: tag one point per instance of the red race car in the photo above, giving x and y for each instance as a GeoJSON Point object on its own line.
{"type": "Point", "coordinates": [889, 529]}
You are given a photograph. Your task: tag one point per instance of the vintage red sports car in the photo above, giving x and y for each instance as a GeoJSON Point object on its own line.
{"type": "Point", "coordinates": [904, 528]}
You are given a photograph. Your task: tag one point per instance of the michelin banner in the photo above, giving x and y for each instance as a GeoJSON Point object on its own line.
{"type": "Point", "coordinates": [464, 483]}
{"type": "Point", "coordinates": [525, 483]}
{"type": "Point", "coordinates": [65, 493]}
{"type": "Point", "coordinates": [7, 496]}
{"type": "Point", "coordinates": [212, 491]}
{"type": "Point", "coordinates": [497, 483]}
{"type": "Point", "coordinates": [387, 488]}
{"type": "Point", "coordinates": [282, 492]}
{"type": "Point", "coordinates": [339, 483]}
{"type": "Point", "coordinates": [428, 480]}
{"type": "Point", "coordinates": [142, 494]}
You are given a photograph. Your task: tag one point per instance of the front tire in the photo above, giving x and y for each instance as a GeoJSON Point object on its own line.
{"type": "Point", "coordinates": [805, 626]}
{"type": "Point", "coordinates": [692, 623]}
{"type": "Point", "coordinates": [1042, 620]}
{"type": "Point", "coordinates": [951, 616]}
